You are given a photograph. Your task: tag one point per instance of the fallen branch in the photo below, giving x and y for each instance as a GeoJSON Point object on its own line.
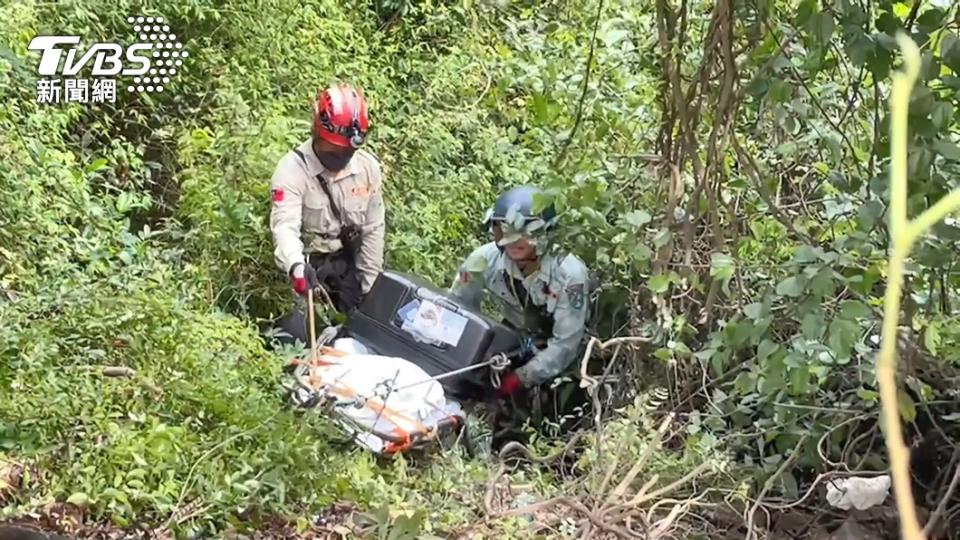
{"type": "Point", "coordinates": [642, 460]}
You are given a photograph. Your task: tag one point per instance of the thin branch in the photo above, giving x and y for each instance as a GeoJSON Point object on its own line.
{"type": "Point", "coordinates": [583, 94]}
{"type": "Point", "coordinates": [928, 528]}
{"type": "Point", "coordinates": [769, 484]}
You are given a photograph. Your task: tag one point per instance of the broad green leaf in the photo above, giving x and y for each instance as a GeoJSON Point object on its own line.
{"type": "Point", "coordinates": [824, 283]}
{"type": "Point", "coordinates": [906, 406]}
{"type": "Point", "coordinates": [792, 286]}
{"type": "Point", "coordinates": [950, 51]}
{"type": "Point", "coordinates": [659, 284]}
{"type": "Point", "coordinates": [721, 266]}
{"type": "Point", "coordinates": [821, 25]}
{"type": "Point", "coordinates": [637, 218]}
{"type": "Point", "coordinates": [805, 10]}
{"type": "Point", "coordinates": [806, 254]}
{"type": "Point", "coordinates": [843, 335]}
{"type": "Point", "coordinates": [745, 382]}
{"type": "Point", "coordinates": [774, 375]}
{"type": "Point", "coordinates": [868, 215]}
{"type": "Point", "coordinates": [615, 36]}
{"type": "Point", "coordinates": [859, 47]}
{"type": "Point", "coordinates": [941, 115]}
{"type": "Point", "coordinates": [931, 19]}
{"type": "Point", "coordinates": [800, 380]}
{"type": "Point", "coordinates": [662, 238]}
{"type": "Point", "coordinates": [765, 349]}
{"type": "Point", "coordinates": [880, 59]}
{"type": "Point", "coordinates": [642, 253]}
{"type": "Point", "coordinates": [752, 311]}
{"type": "Point", "coordinates": [95, 166]}
{"type": "Point", "coordinates": [947, 149]}
{"type": "Point", "coordinates": [78, 499]}
{"type": "Point", "coordinates": [867, 395]}
{"type": "Point", "coordinates": [812, 325]}
{"type": "Point", "coordinates": [663, 354]}
{"type": "Point", "coordinates": [887, 23]}
{"type": "Point", "coordinates": [854, 309]}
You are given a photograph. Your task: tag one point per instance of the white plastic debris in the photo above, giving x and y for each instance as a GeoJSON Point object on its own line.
{"type": "Point", "coordinates": [857, 492]}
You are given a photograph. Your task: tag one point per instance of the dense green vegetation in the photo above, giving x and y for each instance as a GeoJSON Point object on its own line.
{"type": "Point", "coordinates": [722, 166]}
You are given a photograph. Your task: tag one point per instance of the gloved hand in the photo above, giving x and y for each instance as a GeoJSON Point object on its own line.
{"type": "Point", "coordinates": [303, 277]}
{"type": "Point", "coordinates": [527, 347]}
{"type": "Point", "coordinates": [509, 384]}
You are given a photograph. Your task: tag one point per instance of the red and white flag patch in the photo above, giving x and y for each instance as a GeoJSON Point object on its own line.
{"type": "Point", "coordinates": [277, 195]}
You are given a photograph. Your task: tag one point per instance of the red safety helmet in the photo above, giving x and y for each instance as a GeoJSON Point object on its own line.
{"type": "Point", "coordinates": [340, 116]}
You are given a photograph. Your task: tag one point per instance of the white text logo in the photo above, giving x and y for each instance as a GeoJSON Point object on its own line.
{"type": "Point", "coordinates": [151, 62]}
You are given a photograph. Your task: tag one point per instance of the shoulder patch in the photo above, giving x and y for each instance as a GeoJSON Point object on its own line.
{"type": "Point", "coordinates": [576, 295]}
{"type": "Point", "coordinates": [276, 194]}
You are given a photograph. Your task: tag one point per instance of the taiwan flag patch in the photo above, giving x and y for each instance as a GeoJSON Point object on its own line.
{"type": "Point", "coordinates": [277, 195]}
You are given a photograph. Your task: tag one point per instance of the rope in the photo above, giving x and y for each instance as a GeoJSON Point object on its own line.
{"type": "Point", "coordinates": [498, 363]}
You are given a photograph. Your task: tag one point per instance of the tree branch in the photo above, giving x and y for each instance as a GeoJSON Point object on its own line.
{"type": "Point", "coordinates": [583, 94]}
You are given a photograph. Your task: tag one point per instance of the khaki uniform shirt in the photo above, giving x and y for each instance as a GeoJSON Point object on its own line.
{"type": "Point", "coordinates": [559, 286]}
{"type": "Point", "coordinates": [302, 221]}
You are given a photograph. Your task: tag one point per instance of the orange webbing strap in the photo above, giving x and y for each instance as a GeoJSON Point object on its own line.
{"type": "Point", "coordinates": [375, 405]}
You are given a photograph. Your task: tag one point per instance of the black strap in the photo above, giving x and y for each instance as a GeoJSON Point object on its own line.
{"type": "Point", "coordinates": [519, 290]}
{"type": "Point", "coordinates": [326, 189]}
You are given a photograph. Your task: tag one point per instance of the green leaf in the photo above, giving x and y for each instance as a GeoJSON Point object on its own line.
{"type": "Point", "coordinates": [659, 284]}
{"type": "Point", "coordinates": [615, 36]}
{"type": "Point", "coordinates": [867, 395]}
{"type": "Point", "coordinates": [78, 499]}
{"type": "Point", "coordinates": [812, 325]}
{"type": "Point", "coordinates": [950, 51]}
{"type": "Point", "coordinates": [879, 61]}
{"type": "Point", "coordinates": [854, 309]}
{"type": "Point", "coordinates": [887, 23]}
{"type": "Point", "coordinates": [642, 253]}
{"type": "Point", "coordinates": [822, 25]}
{"type": "Point", "coordinates": [931, 337]}
{"type": "Point", "coordinates": [752, 311]}
{"type": "Point", "coordinates": [823, 284]}
{"type": "Point", "coordinates": [721, 266]}
{"type": "Point", "coordinates": [800, 380]}
{"type": "Point", "coordinates": [843, 335]}
{"type": "Point", "coordinates": [859, 47]}
{"type": "Point", "coordinates": [662, 238]}
{"type": "Point", "coordinates": [941, 115]}
{"type": "Point", "coordinates": [792, 286]}
{"type": "Point", "coordinates": [805, 10]}
{"type": "Point", "coordinates": [868, 214]}
{"type": "Point", "coordinates": [947, 149]}
{"type": "Point", "coordinates": [663, 354]}
{"type": "Point", "coordinates": [765, 349]}
{"type": "Point", "coordinates": [95, 166]}
{"type": "Point", "coordinates": [806, 254]}
{"type": "Point", "coordinates": [637, 218]}
{"type": "Point", "coordinates": [906, 406]}
{"type": "Point", "coordinates": [774, 375]}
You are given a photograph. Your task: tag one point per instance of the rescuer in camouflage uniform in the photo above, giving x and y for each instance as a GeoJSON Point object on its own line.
{"type": "Point", "coordinates": [542, 293]}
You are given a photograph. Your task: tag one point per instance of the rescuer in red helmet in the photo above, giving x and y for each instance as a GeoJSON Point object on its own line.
{"type": "Point", "coordinates": [327, 214]}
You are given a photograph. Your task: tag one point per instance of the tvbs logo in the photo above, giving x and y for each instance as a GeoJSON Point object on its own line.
{"type": "Point", "coordinates": [151, 62]}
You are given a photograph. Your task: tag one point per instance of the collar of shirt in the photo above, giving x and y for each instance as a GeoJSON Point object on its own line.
{"type": "Point", "coordinates": [314, 167]}
{"type": "Point", "coordinates": [541, 274]}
